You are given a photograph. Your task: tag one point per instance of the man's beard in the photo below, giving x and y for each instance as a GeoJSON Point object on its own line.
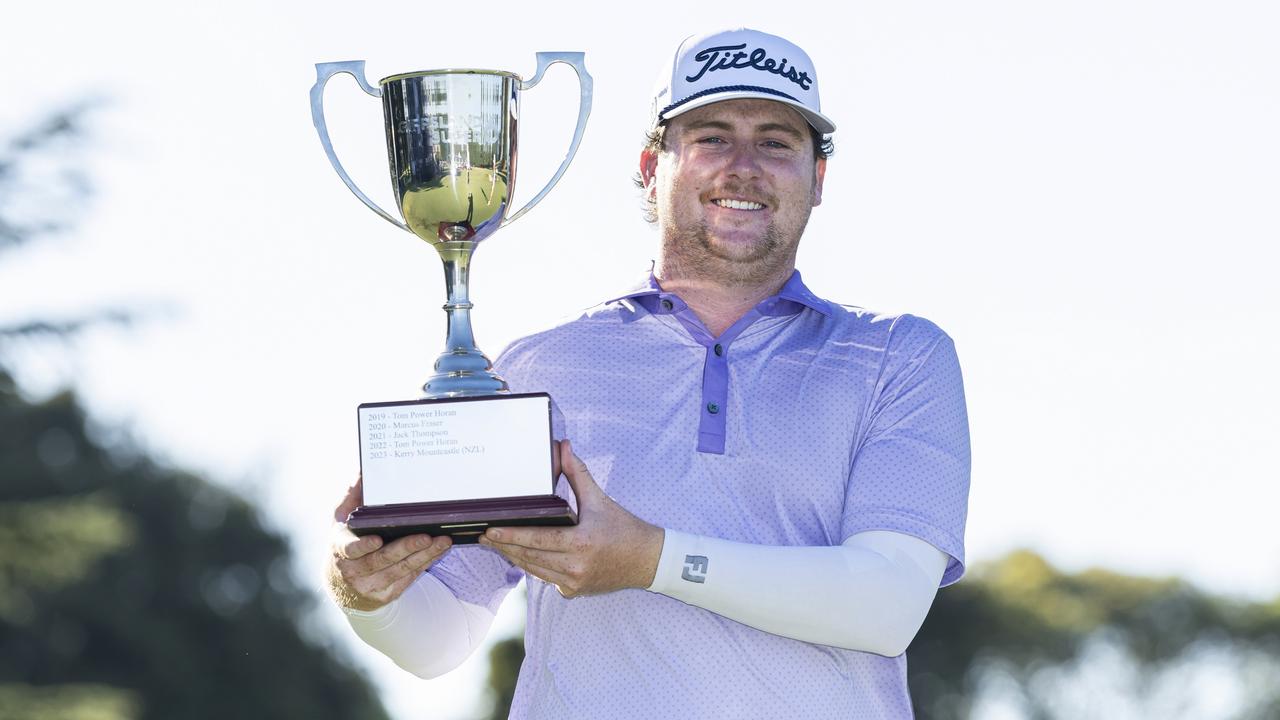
{"type": "Point", "coordinates": [694, 250]}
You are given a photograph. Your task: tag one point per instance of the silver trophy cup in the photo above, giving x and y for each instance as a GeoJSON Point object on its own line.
{"type": "Point", "coordinates": [470, 453]}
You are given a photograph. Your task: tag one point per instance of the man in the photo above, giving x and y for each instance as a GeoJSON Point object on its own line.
{"type": "Point", "coordinates": [771, 487]}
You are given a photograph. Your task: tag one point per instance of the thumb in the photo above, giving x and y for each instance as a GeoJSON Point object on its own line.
{"type": "Point", "coordinates": [353, 499]}
{"type": "Point", "coordinates": [576, 471]}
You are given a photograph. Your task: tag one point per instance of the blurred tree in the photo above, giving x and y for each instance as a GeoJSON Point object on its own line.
{"type": "Point", "coordinates": [1022, 621]}
{"type": "Point", "coordinates": [42, 189]}
{"type": "Point", "coordinates": [156, 593]}
{"type": "Point", "coordinates": [504, 666]}
{"type": "Point", "coordinates": [39, 179]}
{"type": "Point", "coordinates": [129, 589]}
{"type": "Point", "coordinates": [1025, 631]}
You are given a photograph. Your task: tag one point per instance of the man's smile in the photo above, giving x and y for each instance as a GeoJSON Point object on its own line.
{"type": "Point", "coordinates": [737, 204]}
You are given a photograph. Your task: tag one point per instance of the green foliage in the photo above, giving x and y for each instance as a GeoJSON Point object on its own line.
{"type": "Point", "coordinates": [43, 189]}
{"type": "Point", "coordinates": [41, 176]}
{"type": "Point", "coordinates": [122, 574]}
{"type": "Point", "coordinates": [49, 543]}
{"type": "Point", "coordinates": [1023, 616]}
{"type": "Point", "coordinates": [504, 666]}
{"type": "Point", "coordinates": [66, 702]}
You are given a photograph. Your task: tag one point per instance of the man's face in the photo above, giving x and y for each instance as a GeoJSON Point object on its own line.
{"type": "Point", "coordinates": [734, 185]}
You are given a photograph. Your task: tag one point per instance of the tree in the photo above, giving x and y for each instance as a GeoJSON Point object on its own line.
{"type": "Point", "coordinates": [504, 667]}
{"type": "Point", "coordinates": [1023, 620]}
{"type": "Point", "coordinates": [129, 589]}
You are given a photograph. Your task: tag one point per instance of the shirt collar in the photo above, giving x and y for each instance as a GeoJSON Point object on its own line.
{"type": "Point", "coordinates": [793, 297]}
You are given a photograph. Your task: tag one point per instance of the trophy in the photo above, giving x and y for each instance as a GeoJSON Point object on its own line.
{"type": "Point", "coordinates": [470, 453]}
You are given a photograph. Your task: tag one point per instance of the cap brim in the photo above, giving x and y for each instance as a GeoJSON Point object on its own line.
{"type": "Point", "coordinates": [818, 121]}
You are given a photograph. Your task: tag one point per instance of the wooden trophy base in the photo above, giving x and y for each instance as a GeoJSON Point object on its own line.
{"type": "Point", "coordinates": [462, 520]}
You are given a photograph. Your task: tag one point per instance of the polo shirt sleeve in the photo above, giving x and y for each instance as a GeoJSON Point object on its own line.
{"type": "Point", "coordinates": [910, 470]}
{"type": "Point", "coordinates": [477, 574]}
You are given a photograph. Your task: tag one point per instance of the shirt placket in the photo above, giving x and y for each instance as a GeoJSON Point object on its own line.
{"type": "Point", "coordinates": [713, 412]}
{"type": "Point", "coordinates": [715, 398]}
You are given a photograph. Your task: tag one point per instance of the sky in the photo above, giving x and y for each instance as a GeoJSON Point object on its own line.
{"type": "Point", "coordinates": [1083, 195]}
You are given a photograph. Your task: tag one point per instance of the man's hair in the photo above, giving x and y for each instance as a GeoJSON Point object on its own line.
{"type": "Point", "coordinates": [823, 148]}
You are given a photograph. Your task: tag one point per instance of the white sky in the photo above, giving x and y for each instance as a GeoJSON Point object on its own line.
{"type": "Point", "coordinates": [1084, 195]}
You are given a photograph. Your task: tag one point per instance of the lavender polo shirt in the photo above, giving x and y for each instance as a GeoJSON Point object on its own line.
{"type": "Point", "coordinates": [803, 424]}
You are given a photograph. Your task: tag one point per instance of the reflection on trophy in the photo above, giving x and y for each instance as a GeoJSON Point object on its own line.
{"type": "Point", "coordinates": [470, 454]}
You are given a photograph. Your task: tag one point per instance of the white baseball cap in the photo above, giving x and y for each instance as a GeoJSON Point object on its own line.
{"type": "Point", "coordinates": [734, 64]}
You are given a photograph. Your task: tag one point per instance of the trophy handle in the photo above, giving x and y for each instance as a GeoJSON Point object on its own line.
{"type": "Point", "coordinates": [324, 71]}
{"type": "Point", "coordinates": [574, 60]}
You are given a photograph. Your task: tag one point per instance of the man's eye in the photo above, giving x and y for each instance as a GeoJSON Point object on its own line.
{"type": "Point", "coordinates": [713, 140]}
{"type": "Point", "coordinates": [776, 144]}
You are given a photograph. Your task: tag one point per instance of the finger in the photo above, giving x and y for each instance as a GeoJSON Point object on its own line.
{"type": "Point", "coordinates": [542, 572]}
{"type": "Point", "coordinates": [385, 587]}
{"type": "Point", "coordinates": [557, 561]}
{"type": "Point", "coordinates": [397, 588]}
{"type": "Point", "coordinates": [349, 546]}
{"type": "Point", "coordinates": [381, 556]}
{"type": "Point", "coordinates": [395, 552]}
{"type": "Point", "coordinates": [553, 539]}
{"type": "Point", "coordinates": [353, 500]}
{"type": "Point", "coordinates": [410, 566]}
{"type": "Point", "coordinates": [584, 486]}
{"type": "Point", "coordinates": [562, 584]}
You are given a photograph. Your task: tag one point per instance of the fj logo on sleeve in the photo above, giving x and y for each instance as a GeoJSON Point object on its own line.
{"type": "Point", "coordinates": [695, 568]}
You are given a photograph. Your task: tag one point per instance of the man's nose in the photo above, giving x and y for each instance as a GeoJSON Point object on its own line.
{"type": "Point", "coordinates": [745, 161]}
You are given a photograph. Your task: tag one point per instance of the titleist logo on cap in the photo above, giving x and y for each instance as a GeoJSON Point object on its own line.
{"type": "Point", "coordinates": [758, 59]}
{"type": "Point", "coordinates": [738, 64]}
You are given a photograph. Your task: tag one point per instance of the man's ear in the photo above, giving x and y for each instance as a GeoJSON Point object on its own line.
{"type": "Point", "coordinates": [648, 172]}
{"type": "Point", "coordinates": [820, 172]}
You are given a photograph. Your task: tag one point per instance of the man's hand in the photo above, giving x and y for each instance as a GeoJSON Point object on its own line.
{"type": "Point", "coordinates": [364, 575]}
{"type": "Point", "coordinates": [609, 549]}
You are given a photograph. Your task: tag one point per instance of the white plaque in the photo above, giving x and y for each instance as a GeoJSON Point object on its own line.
{"type": "Point", "coordinates": [455, 449]}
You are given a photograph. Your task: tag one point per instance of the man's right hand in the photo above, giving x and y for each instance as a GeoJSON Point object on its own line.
{"type": "Point", "coordinates": [365, 575]}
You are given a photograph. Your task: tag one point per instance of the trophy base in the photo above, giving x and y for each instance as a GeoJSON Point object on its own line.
{"type": "Point", "coordinates": [463, 520]}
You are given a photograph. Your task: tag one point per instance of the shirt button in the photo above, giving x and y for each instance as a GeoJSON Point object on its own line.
{"type": "Point", "coordinates": [713, 408]}
{"type": "Point", "coordinates": [666, 304]}
{"type": "Point", "coordinates": [719, 350]}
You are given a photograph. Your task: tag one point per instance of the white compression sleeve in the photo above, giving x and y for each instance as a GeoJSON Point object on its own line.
{"type": "Point", "coordinates": [870, 594]}
{"type": "Point", "coordinates": [427, 630]}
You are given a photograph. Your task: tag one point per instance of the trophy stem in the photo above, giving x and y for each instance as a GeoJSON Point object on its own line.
{"type": "Point", "coordinates": [461, 370]}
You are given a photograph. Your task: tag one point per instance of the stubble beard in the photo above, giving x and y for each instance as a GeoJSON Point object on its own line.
{"type": "Point", "coordinates": [696, 255]}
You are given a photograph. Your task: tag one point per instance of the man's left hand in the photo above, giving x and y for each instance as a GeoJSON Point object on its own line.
{"type": "Point", "coordinates": [609, 549]}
